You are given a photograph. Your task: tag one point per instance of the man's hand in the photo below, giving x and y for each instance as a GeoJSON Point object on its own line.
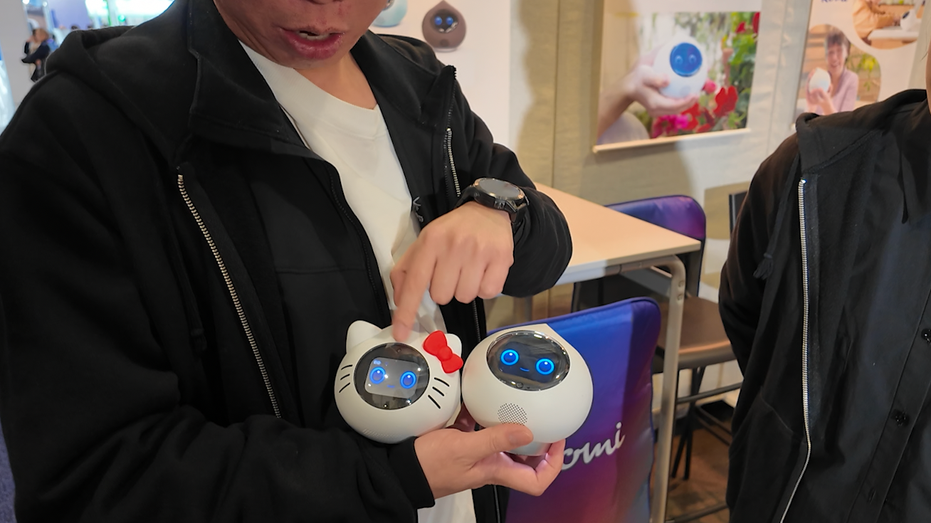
{"type": "Point", "coordinates": [465, 254]}
{"type": "Point", "coordinates": [453, 460]}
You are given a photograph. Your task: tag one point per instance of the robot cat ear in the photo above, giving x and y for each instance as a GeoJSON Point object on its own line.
{"type": "Point", "coordinates": [360, 331]}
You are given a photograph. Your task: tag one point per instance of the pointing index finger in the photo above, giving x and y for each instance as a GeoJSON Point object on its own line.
{"type": "Point", "coordinates": [417, 270]}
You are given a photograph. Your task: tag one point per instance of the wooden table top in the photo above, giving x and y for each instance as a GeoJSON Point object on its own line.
{"type": "Point", "coordinates": [603, 238]}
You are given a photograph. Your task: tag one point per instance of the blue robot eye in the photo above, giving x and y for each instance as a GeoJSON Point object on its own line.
{"type": "Point", "coordinates": [408, 380]}
{"type": "Point", "coordinates": [509, 357]}
{"type": "Point", "coordinates": [438, 20]}
{"type": "Point", "coordinates": [545, 366]}
{"type": "Point", "coordinates": [377, 375]}
{"type": "Point", "coordinates": [449, 20]}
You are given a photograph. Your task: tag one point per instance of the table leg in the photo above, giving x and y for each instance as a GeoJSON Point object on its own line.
{"type": "Point", "coordinates": [670, 385]}
{"type": "Point", "coordinates": [523, 309]}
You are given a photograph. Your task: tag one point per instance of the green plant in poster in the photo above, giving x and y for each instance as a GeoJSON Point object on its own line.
{"type": "Point", "coordinates": [864, 63]}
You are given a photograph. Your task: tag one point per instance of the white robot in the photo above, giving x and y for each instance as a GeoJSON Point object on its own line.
{"type": "Point", "coordinates": [392, 14]}
{"type": "Point", "coordinates": [682, 61]}
{"type": "Point", "coordinates": [910, 20]}
{"type": "Point", "coordinates": [390, 391]}
{"type": "Point", "coordinates": [530, 376]}
{"type": "Point", "coordinates": [820, 79]}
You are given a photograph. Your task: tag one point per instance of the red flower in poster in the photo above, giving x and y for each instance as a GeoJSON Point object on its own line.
{"type": "Point", "coordinates": [741, 27]}
{"type": "Point", "coordinates": [672, 122]}
{"type": "Point", "coordinates": [725, 101]}
{"type": "Point", "coordinates": [756, 22]}
{"type": "Point", "coordinates": [709, 87]}
{"type": "Point", "coordinates": [693, 113]}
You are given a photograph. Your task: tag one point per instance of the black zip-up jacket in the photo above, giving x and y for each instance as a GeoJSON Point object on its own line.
{"type": "Point", "coordinates": [824, 297]}
{"type": "Point", "coordinates": [149, 370]}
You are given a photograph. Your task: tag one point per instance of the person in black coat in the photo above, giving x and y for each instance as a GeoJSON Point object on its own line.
{"type": "Point", "coordinates": [826, 299]}
{"type": "Point", "coordinates": [37, 56]}
{"type": "Point", "coordinates": [180, 270]}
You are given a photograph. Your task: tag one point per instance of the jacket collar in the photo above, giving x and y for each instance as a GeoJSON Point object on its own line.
{"type": "Point", "coordinates": [914, 137]}
{"type": "Point", "coordinates": [233, 103]}
{"type": "Point", "coordinates": [823, 139]}
{"type": "Point", "coordinates": [184, 74]}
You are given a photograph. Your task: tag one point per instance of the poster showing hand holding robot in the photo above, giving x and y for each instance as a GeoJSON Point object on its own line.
{"type": "Point", "coordinates": [674, 69]}
{"type": "Point", "coordinates": [857, 52]}
{"type": "Point", "coordinates": [472, 35]}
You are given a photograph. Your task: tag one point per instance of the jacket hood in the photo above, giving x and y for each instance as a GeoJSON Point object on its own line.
{"type": "Point", "coordinates": [184, 74]}
{"type": "Point", "coordinates": [822, 139]}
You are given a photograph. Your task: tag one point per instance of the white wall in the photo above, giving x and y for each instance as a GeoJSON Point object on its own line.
{"type": "Point", "coordinates": [13, 33]}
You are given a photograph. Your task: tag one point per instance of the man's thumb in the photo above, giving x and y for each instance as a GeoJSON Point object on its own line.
{"type": "Point", "coordinates": [504, 437]}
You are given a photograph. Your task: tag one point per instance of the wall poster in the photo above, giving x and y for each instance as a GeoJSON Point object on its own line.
{"type": "Point", "coordinates": [675, 69]}
{"type": "Point", "coordinates": [472, 35]}
{"type": "Point", "coordinates": [857, 52]}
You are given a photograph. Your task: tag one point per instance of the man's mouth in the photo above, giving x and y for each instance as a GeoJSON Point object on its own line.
{"type": "Point", "coordinates": [313, 37]}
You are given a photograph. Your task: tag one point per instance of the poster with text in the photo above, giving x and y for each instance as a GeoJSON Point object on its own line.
{"type": "Point", "coordinates": [857, 52]}
{"type": "Point", "coordinates": [472, 35]}
{"type": "Point", "coordinates": [675, 69]}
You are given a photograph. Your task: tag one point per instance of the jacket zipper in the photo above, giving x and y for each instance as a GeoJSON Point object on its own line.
{"type": "Point", "coordinates": [449, 152]}
{"type": "Point", "coordinates": [805, 337]}
{"type": "Point", "coordinates": [233, 294]}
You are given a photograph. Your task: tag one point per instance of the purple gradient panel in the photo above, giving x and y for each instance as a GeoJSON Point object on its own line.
{"type": "Point", "coordinates": [680, 214]}
{"type": "Point", "coordinates": [606, 474]}
{"type": "Point", "coordinates": [6, 485]}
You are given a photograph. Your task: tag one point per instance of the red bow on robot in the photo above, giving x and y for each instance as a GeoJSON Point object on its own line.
{"type": "Point", "coordinates": [436, 345]}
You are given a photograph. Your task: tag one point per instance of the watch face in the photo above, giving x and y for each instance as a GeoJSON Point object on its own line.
{"type": "Point", "coordinates": [500, 189]}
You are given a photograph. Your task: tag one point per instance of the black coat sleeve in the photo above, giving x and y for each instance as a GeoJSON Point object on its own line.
{"type": "Point", "coordinates": [95, 400]}
{"type": "Point", "coordinates": [740, 297]}
{"type": "Point", "coordinates": [542, 244]}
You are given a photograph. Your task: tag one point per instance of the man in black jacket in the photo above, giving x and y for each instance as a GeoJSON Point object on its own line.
{"type": "Point", "coordinates": [825, 297]}
{"type": "Point", "coordinates": [179, 271]}
{"type": "Point", "coordinates": [40, 38]}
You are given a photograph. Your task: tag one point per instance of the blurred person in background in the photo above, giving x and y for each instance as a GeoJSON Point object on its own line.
{"type": "Point", "coordinates": [38, 48]}
{"type": "Point", "coordinates": [842, 94]}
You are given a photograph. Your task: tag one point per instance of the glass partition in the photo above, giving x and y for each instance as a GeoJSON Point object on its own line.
{"type": "Point", "coordinates": [6, 97]}
{"type": "Point", "coordinates": [124, 12]}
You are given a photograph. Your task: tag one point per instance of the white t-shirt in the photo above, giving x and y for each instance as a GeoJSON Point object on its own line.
{"type": "Point", "coordinates": [355, 141]}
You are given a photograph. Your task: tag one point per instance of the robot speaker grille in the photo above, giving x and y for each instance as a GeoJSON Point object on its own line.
{"type": "Point", "coordinates": [511, 413]}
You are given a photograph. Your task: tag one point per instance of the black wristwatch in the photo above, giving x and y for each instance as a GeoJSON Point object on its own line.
{"type": "Point", "coordinates": [496, 194]}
